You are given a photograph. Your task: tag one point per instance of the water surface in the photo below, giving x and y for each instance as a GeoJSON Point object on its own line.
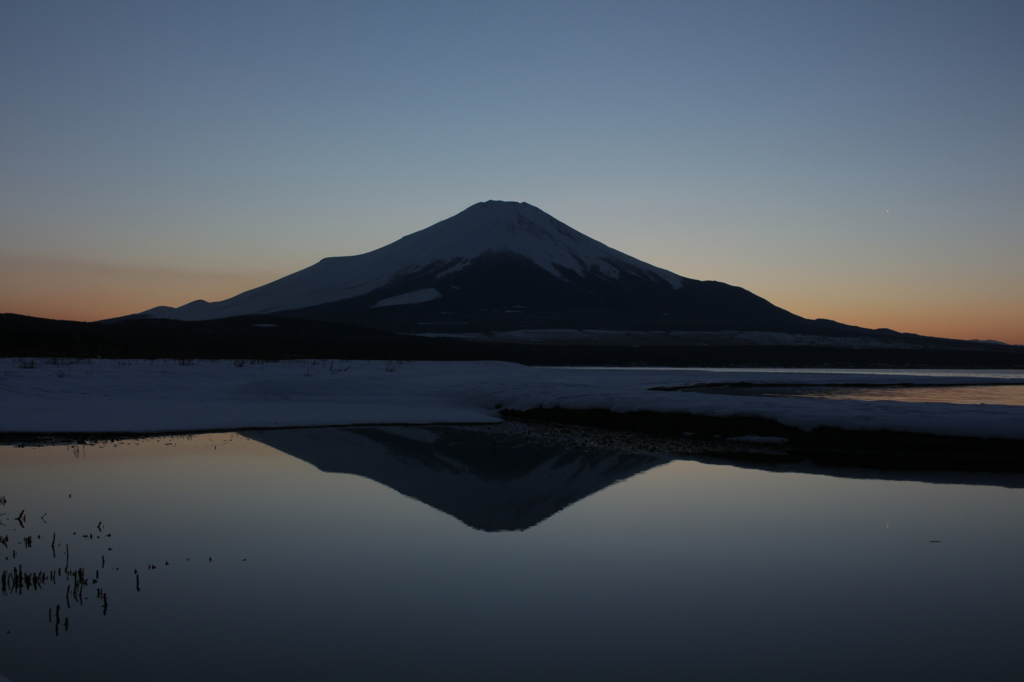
{"type": "Point", "coordinates": [991, 394]}
{"type": "Point", "coordinates": [465, 554]}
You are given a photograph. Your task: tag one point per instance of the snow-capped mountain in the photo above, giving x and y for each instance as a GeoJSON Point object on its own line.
{"type": "Point", "coordinates": [487, 228]}
{"type": "Point", "coordinates": [496, 266]}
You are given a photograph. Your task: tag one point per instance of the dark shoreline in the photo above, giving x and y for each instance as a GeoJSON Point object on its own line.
{"type": "Point", "coordinates": [824, 446]}
{"type": "Point", "coordinates": [698, 438]}
{"type": "Point", "coordinates": [271, 338]}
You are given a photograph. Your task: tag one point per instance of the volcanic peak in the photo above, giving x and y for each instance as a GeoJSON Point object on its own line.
{"type": "Point", "coordinates": [517, 228]}
{"type": "Point", "coordinates": [485, 229]}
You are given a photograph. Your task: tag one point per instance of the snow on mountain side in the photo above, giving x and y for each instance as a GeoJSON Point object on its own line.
{"type": "Point", "coordinates": [484, 229]}
{"type": "Point", "coordinates": [418, 296]}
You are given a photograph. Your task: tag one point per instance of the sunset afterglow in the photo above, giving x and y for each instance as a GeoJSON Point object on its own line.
{"type": "Point", "coordinates": [857, 161]}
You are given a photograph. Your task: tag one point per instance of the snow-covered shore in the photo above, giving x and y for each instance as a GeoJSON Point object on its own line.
{"type": "Point", "coordinates": [141, 396]}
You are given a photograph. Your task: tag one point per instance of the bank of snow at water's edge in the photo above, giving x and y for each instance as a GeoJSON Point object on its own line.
{"type": "Point", "coordinates": [163, 396]}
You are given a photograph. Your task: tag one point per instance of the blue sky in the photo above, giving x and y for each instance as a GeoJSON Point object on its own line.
{"type": "Point", "coordinates": [861, 161]}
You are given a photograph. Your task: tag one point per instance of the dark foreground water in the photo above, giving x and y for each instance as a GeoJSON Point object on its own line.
{"type": "Point", "coordinates": [463, 554]}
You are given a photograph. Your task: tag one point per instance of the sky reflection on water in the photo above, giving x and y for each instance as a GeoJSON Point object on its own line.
{"type": "Point", "coordinates": [624, 566]}
{"type": "Point", "coordinates": [962, 395]}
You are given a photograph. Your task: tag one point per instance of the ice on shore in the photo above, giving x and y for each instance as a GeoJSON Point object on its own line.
{"type": "Point", "coordinates": [142, 396]}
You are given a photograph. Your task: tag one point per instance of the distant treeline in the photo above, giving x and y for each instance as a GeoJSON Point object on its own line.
{"type": "Point", "coordinates": [267, 337]}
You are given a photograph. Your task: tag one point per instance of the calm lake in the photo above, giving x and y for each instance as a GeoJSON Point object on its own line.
{"type": "Point", "coordinates": [1012, 394]}
{"type": "Point", "coordinates": [978, 392]}
{"type": "Point", "coordinates": [479, 553]}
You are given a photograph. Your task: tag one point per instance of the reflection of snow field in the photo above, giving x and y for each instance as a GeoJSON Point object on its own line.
{"type": "Point", "coordinates": [162, 396]}
{"type": "Point", "coordinates": [961, 395]}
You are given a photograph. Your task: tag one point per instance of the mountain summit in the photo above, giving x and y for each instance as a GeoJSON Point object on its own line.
{"type": "Point", "coordinates": [501, 265]}
{"type": "Point", "coordinates": [506, 227]}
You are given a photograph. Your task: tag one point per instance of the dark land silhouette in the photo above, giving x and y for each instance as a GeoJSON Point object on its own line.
{"type": "Point", "coordinates": [269, 337]}
{"type": "Point", "coordinates": [461, 290]}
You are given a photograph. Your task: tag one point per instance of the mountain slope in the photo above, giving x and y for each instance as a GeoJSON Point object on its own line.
{"type": "Point", "coordinates": [502, 266]}
{"type": "Point", "coordinates": [492, 227]}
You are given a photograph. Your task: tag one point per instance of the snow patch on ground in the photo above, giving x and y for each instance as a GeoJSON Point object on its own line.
{"type": "Point", "coordinates": [161, 396]}
{"type": "Point", "coordinates": [673, 338]}
{"type": "Point", "coordinates": [760, 440]}
{"type": "Point", "coordinates": [418, 296]}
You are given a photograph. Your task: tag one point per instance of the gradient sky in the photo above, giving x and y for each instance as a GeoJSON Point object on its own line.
{"type": "Point", "coordinates": [860, 161]}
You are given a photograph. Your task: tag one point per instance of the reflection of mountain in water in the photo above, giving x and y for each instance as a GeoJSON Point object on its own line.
{"type": "Point", "coordinates": [487, 482]}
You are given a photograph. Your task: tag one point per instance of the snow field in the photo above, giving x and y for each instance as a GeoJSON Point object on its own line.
{"type": "Point", "coordinates": [143, 396]}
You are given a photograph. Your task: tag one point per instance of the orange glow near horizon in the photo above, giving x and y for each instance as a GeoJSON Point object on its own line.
{"type": "Point", "coordinates": [822, 156]}
{"type": "Point", "coordinates": [65, 290]}
{"type": "Point", "coordinates": [945, 315]}
{"type": "Point", "coordinates": [87, 292]}
{"type": "Point", "coordinates": [966, 324]}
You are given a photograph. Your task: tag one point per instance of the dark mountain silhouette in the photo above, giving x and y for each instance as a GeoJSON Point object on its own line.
{"type": "Point", "coordinates": [493, 483]}
{"type": "Point", "coordinates": [487, 483]}
{"type": "Point", "coordinates": [498, 281]}
{"type": "Point", "coordinates": [504, 266]}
